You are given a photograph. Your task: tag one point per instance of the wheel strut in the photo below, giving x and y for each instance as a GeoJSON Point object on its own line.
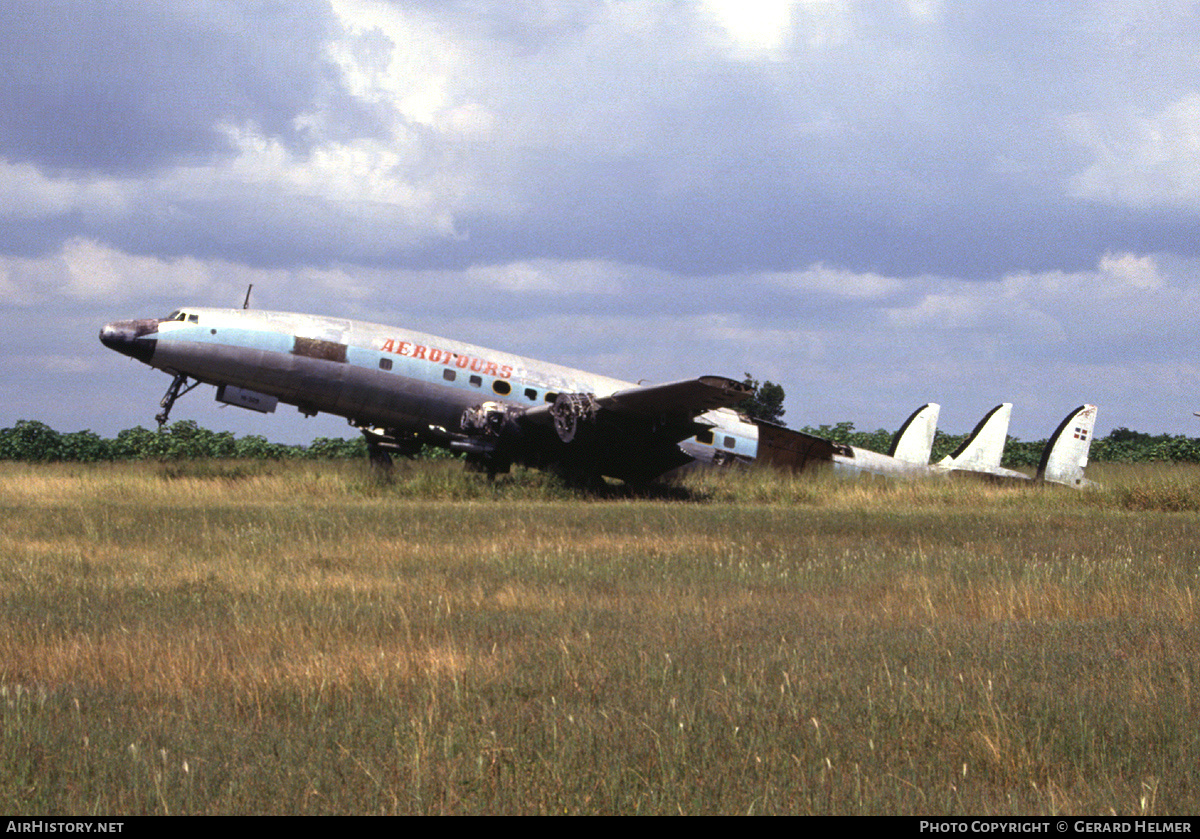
{"type": "Point", "coordinates": [173, 393]}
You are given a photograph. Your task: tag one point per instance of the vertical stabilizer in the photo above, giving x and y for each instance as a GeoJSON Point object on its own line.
{"type": "Point", "coordinates": [1066, 452]}
{"type": "Point", "coordinates": [982, 450]}
{"type": "Point", "coordinates": [914, 441]}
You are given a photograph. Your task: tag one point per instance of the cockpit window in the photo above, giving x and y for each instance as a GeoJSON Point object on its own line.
{"type": "Point", "coordinates": [193, 318]}
{"type": "Point", "coordinates": [174, 315]}
{"type": "Point", "coordinates": [181, 315]}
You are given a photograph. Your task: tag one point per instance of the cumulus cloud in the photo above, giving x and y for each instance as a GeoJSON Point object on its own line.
{"type": "Point", "coordinates": [1127, 303]}
{"type": "Point", "coordinates": [32, 194]}
{"type": "Point", "coordinates": [127, 87]}
{"type": "Point", "coordinates": [1150, 160]}
{"type": "Point", "coordinates": [551, 276]}
{"type": "Point", "coordinates": [755, 28]}
{"type": "Point", "coordinates": [838, 282]}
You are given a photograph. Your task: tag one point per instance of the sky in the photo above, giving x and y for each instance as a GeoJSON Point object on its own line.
{"type": "Point", "coordinates": [875, 204]}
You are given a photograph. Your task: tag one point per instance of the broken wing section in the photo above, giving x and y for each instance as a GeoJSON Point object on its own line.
{"type": "Point", "coordinates": [789, 449]}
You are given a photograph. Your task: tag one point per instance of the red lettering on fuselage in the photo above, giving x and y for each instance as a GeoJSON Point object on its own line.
{"type": "Point", "coordinates": [440, 356]}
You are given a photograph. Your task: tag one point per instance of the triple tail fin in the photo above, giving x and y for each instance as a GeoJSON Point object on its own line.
{"type": "Point", "coordinates": [982, 450]}
{"type": "Point", "coordinates": [1066, 452]}
{"type": "Point", "coordinates": [914, 441]}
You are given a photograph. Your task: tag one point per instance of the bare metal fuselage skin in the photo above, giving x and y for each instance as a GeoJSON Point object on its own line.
{"type": "Point", "coordinates": [333, 365]}
{"type": "Point", "coordinates": [407, 382]}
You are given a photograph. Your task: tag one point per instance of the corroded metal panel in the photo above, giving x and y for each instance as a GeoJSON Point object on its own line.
{"type": "Point", "coordinates": [778, 446]}
{"type": "Point", "coordinates": [319, 349]}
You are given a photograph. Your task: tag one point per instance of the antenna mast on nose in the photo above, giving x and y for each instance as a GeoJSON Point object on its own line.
{"type": "Point", "coordinates": [246, 305]}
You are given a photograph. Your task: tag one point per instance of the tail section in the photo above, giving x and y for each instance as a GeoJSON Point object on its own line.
{"type": "Point", "coordinates": [914, 441]}
{"type": "Point", "coordinates": [1066, 452]}
{"type": "Point", "coordinates": [982, 450]}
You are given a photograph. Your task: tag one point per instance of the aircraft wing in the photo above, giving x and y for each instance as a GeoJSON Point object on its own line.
{"type": "Point", "coordinates": [691, 396]}
{"type": "Point", "coordinates": [684, 399]}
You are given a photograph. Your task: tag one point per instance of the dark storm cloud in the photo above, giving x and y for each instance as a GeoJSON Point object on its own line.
{"type": "Point", "coordinates": [891, 142]}
{"type": "Point", "coordinates": [126, 87]}
{"type": "Point", "coordinates": [910, 147]}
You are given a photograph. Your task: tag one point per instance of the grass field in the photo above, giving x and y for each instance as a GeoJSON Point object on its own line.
{"type": "Point", "coordinates": [303, 638]}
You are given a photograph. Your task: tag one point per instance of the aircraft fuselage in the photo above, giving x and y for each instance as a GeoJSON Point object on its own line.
{"type": "Point", "coordinates": [415, 385]}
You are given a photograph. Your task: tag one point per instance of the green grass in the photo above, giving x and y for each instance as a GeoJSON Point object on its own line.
{"type": "Point", "coordinates": [307, 638]}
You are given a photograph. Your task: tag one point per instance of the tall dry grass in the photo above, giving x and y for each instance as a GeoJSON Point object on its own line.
{"type": "Point", "coordinates": [299, 638]}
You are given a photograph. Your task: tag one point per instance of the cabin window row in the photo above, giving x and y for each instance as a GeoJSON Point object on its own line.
{"type": "Point", "coordinates": [707, 438]}
{"type": "Point", "coordinates": [500, 386]}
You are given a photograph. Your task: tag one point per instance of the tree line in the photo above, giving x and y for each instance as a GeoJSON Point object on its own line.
{"type": "Point", "coordinates": [35, 442]}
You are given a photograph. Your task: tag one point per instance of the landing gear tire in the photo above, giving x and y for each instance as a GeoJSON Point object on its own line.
{"type": "Point", "coordinates": [379, 459]}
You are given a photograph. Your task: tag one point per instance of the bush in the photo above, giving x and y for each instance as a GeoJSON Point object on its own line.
{"type": "Point", "coordinates": [31, 441]}
{"type": "Point", "coordinates": [35, 442]}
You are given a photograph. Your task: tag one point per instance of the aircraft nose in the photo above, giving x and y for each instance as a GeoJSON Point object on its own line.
{"type": "Point", "coordinates": [134, 338]}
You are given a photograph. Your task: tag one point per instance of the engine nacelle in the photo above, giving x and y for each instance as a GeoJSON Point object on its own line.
{"type": "Point", "coordinates": [490, 436]}
{"type": "Point", "coordinates": [488, 419]}
{"type": "Point", "coordinates": [572, 413]}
